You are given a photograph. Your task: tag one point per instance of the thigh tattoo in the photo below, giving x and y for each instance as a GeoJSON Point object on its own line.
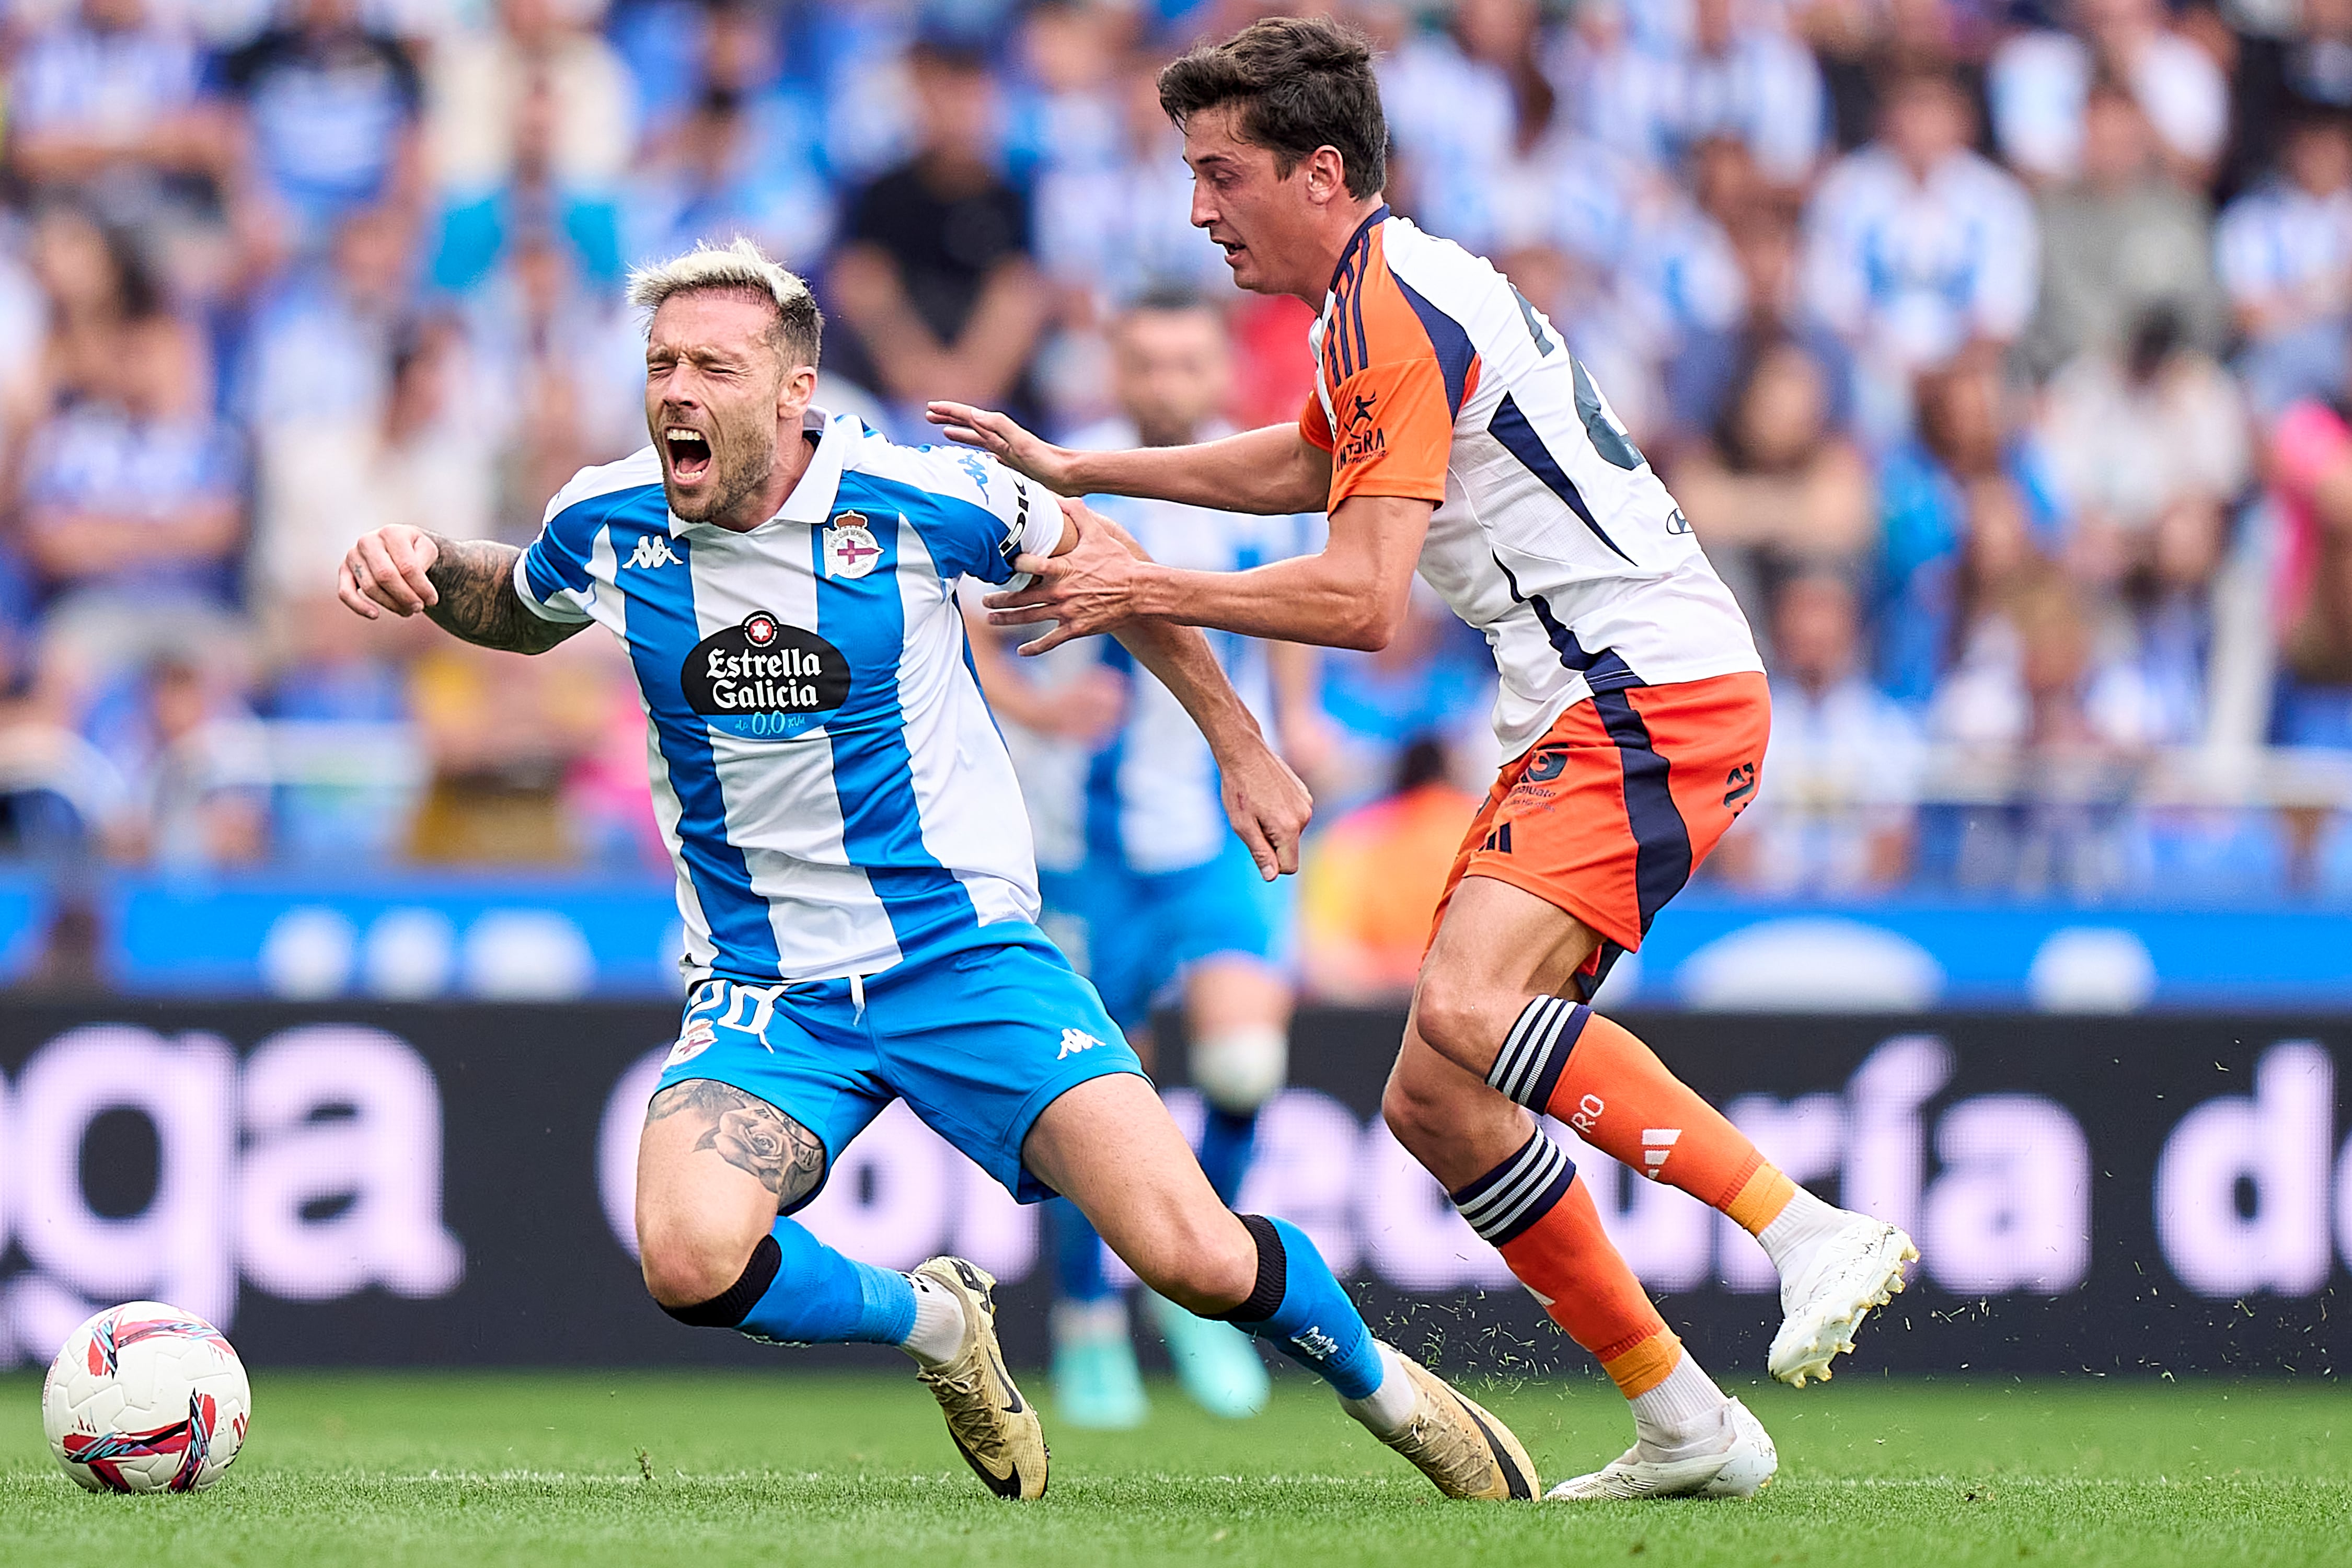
{"type": "Point", "coordinates": [748, 1133]}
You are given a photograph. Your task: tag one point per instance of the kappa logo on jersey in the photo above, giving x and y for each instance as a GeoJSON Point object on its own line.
{"type": "Point", "coordinates": [1361, 436]}
{"type": "Point", "coordinates": [1076, 1040]}
{"type": "Point", "coordinates": [652, 551]}
{"type": "Point", "coordinates": [850, 548]}
{"type": "Point", "coordinates": [698, 1038]}
{"type": "Point", "coordinates": [764, 680]}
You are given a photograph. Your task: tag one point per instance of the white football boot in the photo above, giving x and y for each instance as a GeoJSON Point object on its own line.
{"type": "Point", "coordinates": [1828, 1287]}
{"type": "Point", "coordinates": [1739, 1468]}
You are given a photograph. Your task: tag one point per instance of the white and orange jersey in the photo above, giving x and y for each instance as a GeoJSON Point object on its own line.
{"type": "Point", "coordinates": [1437, 381]}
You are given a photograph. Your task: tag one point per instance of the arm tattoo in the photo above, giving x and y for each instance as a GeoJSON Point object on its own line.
{"type": "Point", "coordinates": [475, 578]}
{"type": "Point", "coordinates": [748, 1133]}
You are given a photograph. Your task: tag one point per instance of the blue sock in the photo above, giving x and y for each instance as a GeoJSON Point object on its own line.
{"type": "Point", "coordinates": [1300, 1307]}
{"type": "Point", "coordinates": [817, 1297]}
{"type": "Point", "coordinates": [1228, 1138]}
{"type": "Point", "coordinates": [1077, 1253]}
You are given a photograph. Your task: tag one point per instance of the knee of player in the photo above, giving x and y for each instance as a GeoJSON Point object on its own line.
{"type": "Point", "coordinates": [1239, 1068]}
{"type": "Point", "coordinates": [684, 1268]}
{"type": "Point", "coordinates": [1415, 1116]}
{"type": "Point", "coordinates": [1204, 1267]}
{"type": "Point", "coordinates": [1453, 1016]}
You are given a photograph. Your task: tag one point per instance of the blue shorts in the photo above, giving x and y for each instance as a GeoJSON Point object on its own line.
{"type": "Point", "coordinates": [977, 1043]}
{"type": "Point", "coordinates": [1135, 932]}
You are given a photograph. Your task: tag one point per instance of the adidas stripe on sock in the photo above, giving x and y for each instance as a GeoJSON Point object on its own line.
{"type": "Point", "coordinates": [1507, 1200]}
{"type": "Point", "coordinates": [1537, 1048]}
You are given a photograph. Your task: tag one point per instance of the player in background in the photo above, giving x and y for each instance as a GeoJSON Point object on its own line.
{"type": "Point", "coordinates": [1143, 885]}
{"type": "Point", "coordinates": [855, 875]}
{"type": "Point", "coordinates": [1451, 430]}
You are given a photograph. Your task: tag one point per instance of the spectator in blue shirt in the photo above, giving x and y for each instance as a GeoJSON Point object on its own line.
{"type": "Point", "coordinates": [328, 109]}
{"type": "Point", "coordinates": [1969, 484]}
{"type": "Point", "coordinates": [108, 99]}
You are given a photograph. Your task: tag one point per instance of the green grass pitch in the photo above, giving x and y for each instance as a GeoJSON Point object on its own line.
{"type": "Point", "coordinates": [450, 1470]}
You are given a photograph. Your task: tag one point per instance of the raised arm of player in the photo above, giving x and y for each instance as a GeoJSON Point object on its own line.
{"type": "Point", "coordinates": [464, 586]}
{"type": "Point", "coordinates": [1267, 471]}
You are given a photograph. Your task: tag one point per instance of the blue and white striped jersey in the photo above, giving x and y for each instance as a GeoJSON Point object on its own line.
{"type": "Point", "coordinates": [1147, 797]}
{"type": "Point", "coordinates": [832, 791]}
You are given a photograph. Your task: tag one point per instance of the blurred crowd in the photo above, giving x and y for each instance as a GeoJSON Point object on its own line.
{"type": "Point", "coordinates": [1997, 350]}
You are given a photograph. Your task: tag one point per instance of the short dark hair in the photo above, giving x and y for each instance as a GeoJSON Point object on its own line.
{"type": "Point", "coordinates": [1166, 298]}
{"type": "Point", "coordinates": [1301, 82]}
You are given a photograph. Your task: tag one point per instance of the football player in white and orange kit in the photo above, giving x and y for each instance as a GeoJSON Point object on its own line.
{"type": "Point", "coordinates": [1451, 431]}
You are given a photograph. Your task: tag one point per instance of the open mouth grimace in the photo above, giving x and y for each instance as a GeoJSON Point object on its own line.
{"type": "Point", "coordinates": [689, 452]}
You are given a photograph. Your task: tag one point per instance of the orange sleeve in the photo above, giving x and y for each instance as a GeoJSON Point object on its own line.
{"type": "Point", "coordinates": [1312, 424]}
{"type": "Point", "coordinates": [1396, 432]}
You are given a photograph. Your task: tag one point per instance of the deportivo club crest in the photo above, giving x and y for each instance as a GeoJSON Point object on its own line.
{"type": "Point", "coordinates": [850, 547]}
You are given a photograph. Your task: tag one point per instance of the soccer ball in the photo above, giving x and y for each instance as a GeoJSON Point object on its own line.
{"type": "Point", "coordinates": [146, 1398]}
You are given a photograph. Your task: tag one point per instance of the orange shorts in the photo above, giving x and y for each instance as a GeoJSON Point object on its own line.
{"type": "Point", "coordinates": [1609, 814]}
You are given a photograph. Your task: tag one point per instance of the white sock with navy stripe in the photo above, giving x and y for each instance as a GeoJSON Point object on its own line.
{"type": "Point", "coordinates": [1527, 1068]}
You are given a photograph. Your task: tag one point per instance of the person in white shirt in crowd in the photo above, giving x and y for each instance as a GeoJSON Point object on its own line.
{"type": "Point", "coordinates": [1845, 759]}
{"type": "Point", "coordinates": [1918, 248]}
{"type": "Point", "coordinates": [2139, 436]}
{"type": "Point", "coordinates": [107, 98]}
{"type": "Point", "coordinates": [480, 79]}
{"type": "Point", "coordinates": [2039, 82]}
{"type": "Point", "coordinates": [1738, 75]}
{"type": "Point", "coordinates": [2285, 253]}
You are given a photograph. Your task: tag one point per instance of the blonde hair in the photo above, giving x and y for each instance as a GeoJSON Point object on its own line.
{"type": "Point", "coordinates": [739, 268]}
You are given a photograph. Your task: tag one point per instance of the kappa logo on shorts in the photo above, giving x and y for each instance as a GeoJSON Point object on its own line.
{"type": "Point", "coordinates": [1075, 1040]}
{"type": "Point", "coordinates": [699, 1037]}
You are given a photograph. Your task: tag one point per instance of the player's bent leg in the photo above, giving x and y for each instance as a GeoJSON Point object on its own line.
{"type": "Point", "coordinates": [1096, 1384]}
{"type": "Point", "coordinates": [1492, 1000]}
{"type": "Point", "coordinates": [714, 1165]}
{"type": "Point", "coordinates": [1519, 1192]}
{"type": "Point", "coordinates": [1237, 1008]}
{"type": "Point", "coordinates": [1110, 1146]}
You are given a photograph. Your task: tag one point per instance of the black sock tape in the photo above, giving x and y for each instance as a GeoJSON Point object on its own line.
{"type": "Point", "coordinates": [1273, 1274]}
{"type": "Point", "coordinates": [732, 1306]}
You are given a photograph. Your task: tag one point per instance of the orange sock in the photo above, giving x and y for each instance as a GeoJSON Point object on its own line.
{"type": "Point", "coordinates": [1536, 1213]}
{"type": "Point", "coordinates": [1567, 1061]}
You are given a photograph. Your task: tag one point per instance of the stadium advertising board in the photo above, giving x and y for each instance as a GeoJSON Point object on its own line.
{"type": "Point", "coordinates": [451, 1184]}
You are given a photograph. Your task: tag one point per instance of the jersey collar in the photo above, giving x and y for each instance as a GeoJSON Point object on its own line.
{"type": "Point", "coordinates": [1356, 242]}
{"type": "Point", "coordinates": [811, 498]}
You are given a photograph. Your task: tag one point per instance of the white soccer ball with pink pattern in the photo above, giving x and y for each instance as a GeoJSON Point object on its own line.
{"type": "Point", "coordinates": [146, 1398]}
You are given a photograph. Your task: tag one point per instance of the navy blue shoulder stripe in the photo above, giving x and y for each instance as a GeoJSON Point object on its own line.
{"type": "Point", "coordinates": [1519, 438]}
{"type": "Point", "coordinates": [1446, 336]}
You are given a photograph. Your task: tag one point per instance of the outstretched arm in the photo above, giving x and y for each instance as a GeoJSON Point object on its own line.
{"type": "Point", "coordinates": [1268, 471]}
{"type": "Point", "coordinates": [1352, 594]}
{"type": "Point", "coordinates": [463, 586]}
